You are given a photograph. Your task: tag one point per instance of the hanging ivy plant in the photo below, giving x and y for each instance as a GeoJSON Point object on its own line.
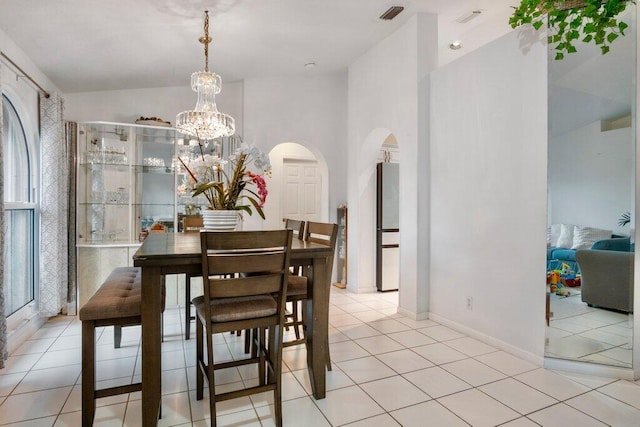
{"type": "Point", "coordinates": [591, 21]}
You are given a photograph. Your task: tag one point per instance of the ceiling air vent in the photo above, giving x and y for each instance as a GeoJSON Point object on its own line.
{"type": "Point", "coordinates": [391, 13]}
{"type": "Point", "coordinates": [469, 16]}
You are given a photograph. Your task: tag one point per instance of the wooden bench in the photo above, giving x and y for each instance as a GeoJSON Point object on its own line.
{"type": "Point", "coordinates": [116, 303]}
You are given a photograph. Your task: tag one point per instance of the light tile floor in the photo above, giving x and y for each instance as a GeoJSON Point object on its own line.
{"type": "Point", "coordinates": [580, 332]}
{"type": "Point", "coordinates": [388, 370]}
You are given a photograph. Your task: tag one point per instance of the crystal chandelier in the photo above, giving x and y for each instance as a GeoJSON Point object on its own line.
{"type": "Point", "coordinates": [205, 121]}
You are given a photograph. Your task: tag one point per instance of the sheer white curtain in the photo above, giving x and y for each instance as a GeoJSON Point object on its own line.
{"type": "Point", "coordinates": [54, 208]}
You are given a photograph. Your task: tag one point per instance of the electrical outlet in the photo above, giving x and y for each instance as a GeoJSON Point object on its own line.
{"type": "Point", "coordinates": [469, 303]}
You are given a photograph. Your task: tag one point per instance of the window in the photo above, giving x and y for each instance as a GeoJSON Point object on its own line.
{"type": "Point", "coordinates": [19, 219]}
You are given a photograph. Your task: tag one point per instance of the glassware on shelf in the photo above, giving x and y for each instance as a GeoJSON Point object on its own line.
{"type": "Point", "coordinates": [123, 196]}
{"type": "Point", "coordinates": [118, 197]}
{"type": "Point", "coordinates": [153, 161]}
{"type": "Point", "coordinates": [109, 235]}
{"type": "Point", "coordinates": [107, 155]}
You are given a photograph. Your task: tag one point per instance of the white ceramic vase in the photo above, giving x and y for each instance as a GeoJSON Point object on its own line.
{"type": "Point", "coordinates": [220, 220]}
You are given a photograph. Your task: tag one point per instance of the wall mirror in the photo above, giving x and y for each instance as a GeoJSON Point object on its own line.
{"type": "Point", "coordinates": [591, 189]}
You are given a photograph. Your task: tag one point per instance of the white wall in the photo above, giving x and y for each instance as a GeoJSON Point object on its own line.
{"type": "Point", "coordinates": [125, 106]}
{"type": "Point", "coordinates": [488, 200]}
{"type": "Point", "coordinates": [388, 93]}
{"type": "Point", "coordinates": [10, 49]}
{"type": "Point", "coordinates": [310, 111]}
{"type": "Point", "coordinates": [591, 177]}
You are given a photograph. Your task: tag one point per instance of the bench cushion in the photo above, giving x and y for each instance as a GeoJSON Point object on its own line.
{"type": "Point", "coordinates": [119, 296]}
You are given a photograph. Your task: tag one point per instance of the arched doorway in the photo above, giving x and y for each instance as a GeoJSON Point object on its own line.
{"type": "Point", "coordinates": [380, 145]}
{"type": "Point", "coordinates": [298, 187]}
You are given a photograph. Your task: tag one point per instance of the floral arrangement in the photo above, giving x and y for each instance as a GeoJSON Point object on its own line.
{"type": "Point", "coordinates": [234, 189]}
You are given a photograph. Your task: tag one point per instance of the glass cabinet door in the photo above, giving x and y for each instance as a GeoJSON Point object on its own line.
{"type": "Point", "coordinates": [154, 179]}
{"type": "Point", "coordinates": [105, 152]}
{"type": "Point", "coordinates": [126, 182]}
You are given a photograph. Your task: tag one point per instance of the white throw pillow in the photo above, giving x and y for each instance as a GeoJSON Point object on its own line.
{"type": "Point", "coordinates": [565, 240]}
{"type": "Point", "coordinates": [553, 233]}
{"type": "Point", "coordinates": [585, 237]}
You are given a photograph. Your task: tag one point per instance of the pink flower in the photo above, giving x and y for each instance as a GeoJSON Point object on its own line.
{"type": "Point", "coordinates": [261, 184]}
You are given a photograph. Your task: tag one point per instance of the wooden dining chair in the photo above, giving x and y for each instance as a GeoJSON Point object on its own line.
{"type": "Point", "coordinates": [293, 317]}
{"type": "Point", "coordinates": [190, 224]}
{"type": "Point", "coordinates": [296, 225]}
{"type": "Point", "coordinates": [245, 283]}
{"type": "Point", "coordinates": [326, 234]}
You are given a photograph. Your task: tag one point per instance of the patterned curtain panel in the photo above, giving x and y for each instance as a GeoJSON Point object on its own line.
{"type": "Point", "coordinates": [71, 139]}
{"type": "Point", "coordinates": [3, 319]}
{"type": "Point", "coordinates": [54, 170]}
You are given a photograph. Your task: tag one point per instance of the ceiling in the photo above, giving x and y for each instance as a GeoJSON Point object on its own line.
{"type": "Point", "coordinates": [93, 45]}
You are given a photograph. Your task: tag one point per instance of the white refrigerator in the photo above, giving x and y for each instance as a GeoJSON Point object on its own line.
{"type": "Point", "coordinates": [387, 227]}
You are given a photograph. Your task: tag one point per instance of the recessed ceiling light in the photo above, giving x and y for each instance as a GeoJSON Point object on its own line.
{"type": "Point", "coordinates": [310, 65]}
{"type": "Point", "coordinates": [455, 45]}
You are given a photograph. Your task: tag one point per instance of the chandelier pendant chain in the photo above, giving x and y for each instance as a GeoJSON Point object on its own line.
{"type": "Point", "coordinates": [205, 40]}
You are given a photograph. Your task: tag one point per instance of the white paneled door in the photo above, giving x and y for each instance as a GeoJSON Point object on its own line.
{"type": "Point", "coordinates": [303, 188]}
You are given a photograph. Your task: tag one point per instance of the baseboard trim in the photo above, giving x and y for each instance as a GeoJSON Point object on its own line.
{"type": "Point", "coordinates": [509, 348]}
{"type": "Point", "coordinates": [586, 368]}
{"type": "Point", "coordinates": [412, 315]}
{"type": "Point", "coordinates": [361, 290]}
{"type": "Point", "coordinates": [23, 332]}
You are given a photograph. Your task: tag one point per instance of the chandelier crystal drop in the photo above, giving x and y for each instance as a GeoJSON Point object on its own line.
{"type": "Point", "coordinates": [205, 121]}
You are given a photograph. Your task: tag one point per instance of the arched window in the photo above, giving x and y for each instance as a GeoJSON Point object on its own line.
{"type": "Point", "coordinates": [19, 221]}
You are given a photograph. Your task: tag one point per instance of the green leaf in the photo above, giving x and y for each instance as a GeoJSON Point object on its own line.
{"type": "Point", "coordinates": [257, 207]}
{"type": "Point", "coordinates": [204, 187]}
{"type": "Point", "coordinates": [559, 56]}
{"type": "Point", "coordinates": [604, 49]}
{"type": "Point", "coordinates": [622, 26]}
{"type": "Point", "coordinates": [571, 49]}
{"type": "Point", "coordinates": [537, 25]}
{"type": "Point", "coordinates": [587, 38]}
{"type": "Point", "coordinates": [611, 37]}
{"type": "Point", "coordinates": [245, 208]}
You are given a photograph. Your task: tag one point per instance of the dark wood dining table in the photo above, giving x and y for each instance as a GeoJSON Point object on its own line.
{"type": "Point", "coordinates": [179, 253]}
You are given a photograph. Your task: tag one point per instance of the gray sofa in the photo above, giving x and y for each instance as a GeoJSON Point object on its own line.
{"type": "Point", "coordinates": [607, 278]}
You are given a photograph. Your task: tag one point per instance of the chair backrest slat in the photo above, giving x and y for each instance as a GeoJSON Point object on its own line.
{"type": "Point", "coordinates": [238, 240]}
{"type": "Point", "coordinates": [246, 262]}
{"type": "Point", "coordinates": [192, 224]}
{"type": "Point", "coordinates": [245, 286]}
